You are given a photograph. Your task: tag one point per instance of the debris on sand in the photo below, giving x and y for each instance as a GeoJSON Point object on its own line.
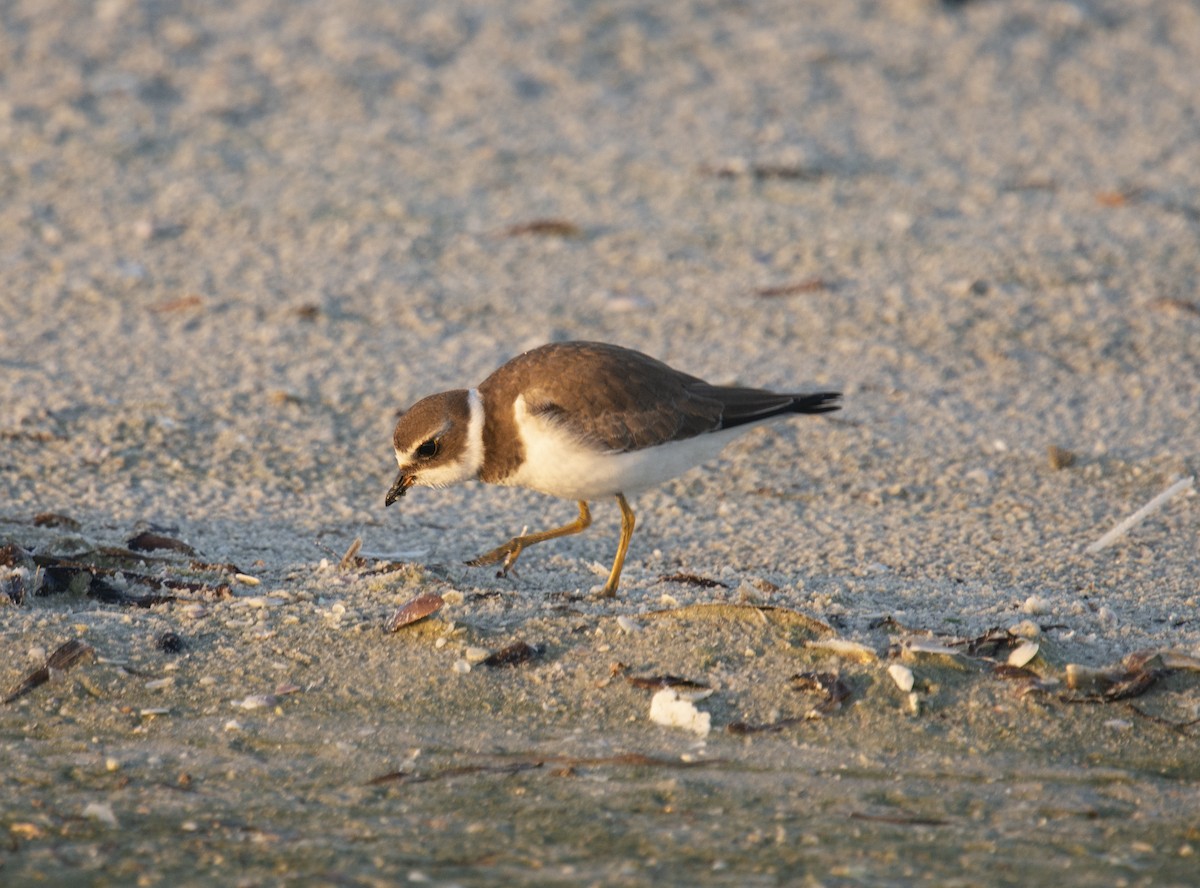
{"type": "Point", "coordinates": [63, 658]}
{"type": "Point", "coordinates": [416, 609]}
{"type": "Point", "coordinates": [1140, 515]}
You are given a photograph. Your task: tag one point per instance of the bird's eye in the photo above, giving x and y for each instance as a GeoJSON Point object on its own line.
{"type": "Point", "coordinates": [428, 449]}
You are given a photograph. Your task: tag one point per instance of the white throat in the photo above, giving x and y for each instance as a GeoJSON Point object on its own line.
{"type": "Point", "coordinates": [473, 456]}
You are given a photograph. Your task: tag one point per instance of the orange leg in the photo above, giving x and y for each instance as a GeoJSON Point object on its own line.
{"type": "Point", "coordinates": [511, 551]}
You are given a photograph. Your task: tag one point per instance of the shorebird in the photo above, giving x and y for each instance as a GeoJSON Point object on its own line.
{"type": "Point", "coordinates": [579, 420]}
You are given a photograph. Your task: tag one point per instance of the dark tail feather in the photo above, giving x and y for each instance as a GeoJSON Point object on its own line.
{"type": "Point", "coordinates": [754, 406]}
{"type": "Point", "coordinates": [821, 402]}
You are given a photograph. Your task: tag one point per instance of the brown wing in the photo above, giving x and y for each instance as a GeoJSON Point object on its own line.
{"type": "Point", "coordinates": [623, 400]}
{"type": "Point", "coordinates": [612, 397]}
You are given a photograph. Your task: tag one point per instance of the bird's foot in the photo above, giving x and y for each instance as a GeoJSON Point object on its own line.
{"type": "Point", "coordinates": [508, 554]}
{"type": "Point", "coordinates": [608, 590]}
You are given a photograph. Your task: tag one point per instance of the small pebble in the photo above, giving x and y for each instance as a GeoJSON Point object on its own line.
{"type": "Point", "coordinates": [1060, 458]}
{"type": "Point", "coordinates": [462, 667]}
{"type": "Point", "coordinates": [1025, 629]}
{"type": "Point", "coordinates": [476, 654]}
{"type": "Point", "coordinates": [256, 701]}
{"type": "Point", "coordinates": [1035, 605]}
{"type": "Point", "coordinates": [914, 703]}
{"type": "Point", "coordinates": [101, 812]}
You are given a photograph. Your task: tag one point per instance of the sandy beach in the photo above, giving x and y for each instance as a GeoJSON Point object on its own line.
{"type": "Point", "coordinates": [236, 239]}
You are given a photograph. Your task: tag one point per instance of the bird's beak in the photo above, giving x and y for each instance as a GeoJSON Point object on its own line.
{"type": "Point", "coordinates": [403, 482]}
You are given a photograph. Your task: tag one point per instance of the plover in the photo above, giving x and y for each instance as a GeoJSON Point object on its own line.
{"type": "Point", "coordinates": [579, 420]}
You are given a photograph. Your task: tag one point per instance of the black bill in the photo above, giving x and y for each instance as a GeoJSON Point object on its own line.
{"type": "Point", "coordinates": [403, 482]}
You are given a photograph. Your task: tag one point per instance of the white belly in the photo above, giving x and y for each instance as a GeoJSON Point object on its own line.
{"type": "Point", "coordinates": [555, 463]}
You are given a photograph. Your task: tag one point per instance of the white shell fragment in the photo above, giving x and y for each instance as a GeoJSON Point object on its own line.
{"type": "Point", "coordinates": [902, 676]}
{"type": "Point", "coordinates": [914, 703]}
{"type": "Point", "coordinates": [672, 710]}
{"type": "Point", "coordinates": [256, 701]}
{"type": "Point", "coordinates": [928, 646]}
{"type": "Point", "coordinates": [1023, 653]}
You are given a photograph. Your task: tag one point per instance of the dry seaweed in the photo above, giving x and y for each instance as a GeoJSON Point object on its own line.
{"type": "Point", "coordinates": [148, 541]}
{"type": "Point", "coordinates": [60, 660]}
{"type": "Point", "coordinates": [446, 773]}
{"type": "Point", "coordinates": [105, 592]}
{"type": "Point", "coordinates": [351, 560]}
{"type": "Point", "coordinates": [810, 285]}
{"type": "Point", "coordinates": [1110, 686]}
{"type": "Point", "coordinates": [515, 654]}
{"type": "Point", "coordinates": [12, 555]}
{"type": "Point", "coordinates": [899, 819]}
{"type": "Point", "coordinates": [545, 228]}
{"type": "Point", "coordinates": [55, 519]}
{"type": "Point", "coordinates": [761, 172]}
{"type": "Point", "coordinates": [657, 682]}
{"type": "Point", "coordinates": [990, 644]}
{"type": "Point", "coordinates": [693, 580]}
{"type": "Point", "coordinates": [835, 688]}
{"type": "Point", "coordinates": [79, 577]}
{"type": "Point", "coordinates": [745, 728]}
